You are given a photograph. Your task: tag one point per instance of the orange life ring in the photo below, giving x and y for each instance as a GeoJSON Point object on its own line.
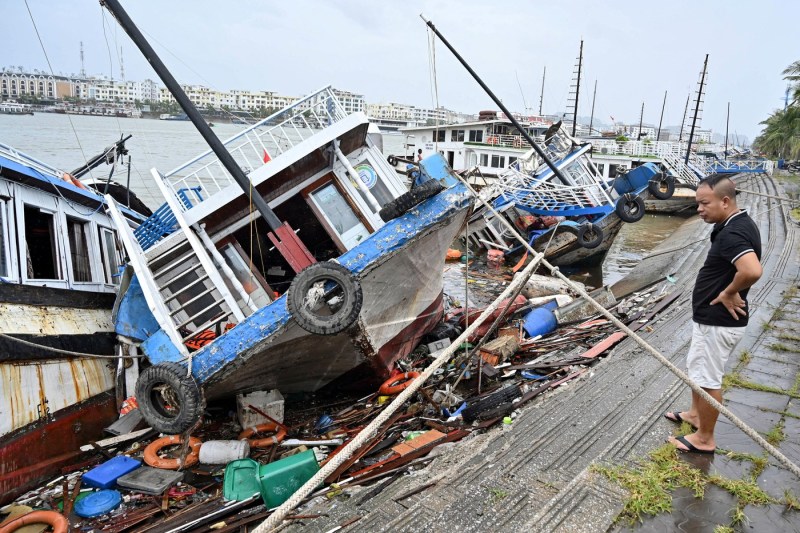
{"type": "Point", "coordinates": [397, 384]}
{"type": "Point", "coordinates": [151, 453]}
{"type": "Point", "coordinates": [55, 520]}
{"type": "Point", "coordinates": [453, 254]}
{"type": "Point", "coordinates": [280, 434]}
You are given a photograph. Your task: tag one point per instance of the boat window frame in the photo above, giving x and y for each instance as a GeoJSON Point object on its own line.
{"type": "Point", "coordinates": [322, 218]}
{"type": "Point", "coordinates": [7, 247]}
{"type": "Point", "coordinates": [92, 251]}
{"type": "Point", "coordinates": [47, 204]}
{"type": "Point", "coordinates": [104, 266]}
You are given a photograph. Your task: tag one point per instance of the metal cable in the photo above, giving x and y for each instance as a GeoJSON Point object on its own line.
{"type": "Point", "coordinates": [67, 352]}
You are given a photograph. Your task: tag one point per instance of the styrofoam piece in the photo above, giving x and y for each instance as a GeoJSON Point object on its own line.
{"type": "Point", "coordinates": [270, 402]}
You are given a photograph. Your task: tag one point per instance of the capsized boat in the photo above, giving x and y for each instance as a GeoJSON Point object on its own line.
{"type": "Point", "coordinates": [221, 303]}
{"type": "Point", "coordinates": [573, 218]}
{"type": "Point", "coordinates": [59, 266]}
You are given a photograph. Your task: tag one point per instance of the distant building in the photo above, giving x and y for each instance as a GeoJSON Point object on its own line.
{"type": "Point", "coordinates": [15, 84]}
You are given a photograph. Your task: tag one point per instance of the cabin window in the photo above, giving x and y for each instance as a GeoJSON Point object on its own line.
{"type": "Point", "coordinates": [484, 160]}
{"type": "Point", "coordinates": [244, 272]}
{"type": "Point", "coordinates": [109, 255]}
{"type": "Point", "coordinates": [476, 136]}
{"type": "Point", "coordinates": [339, 215]}
{"type": "Point", "coordinates": [511, 160]}
{"type": "Point", "coordinates": [457, 136]}
{"type": "Point", "coordinates": [3, 240]}
{"type": "Point", "coordinates": [498, 161]}
{"type": "Point", "coordinates": [41, 244]}
{"type": "Point", "coordinates": [77, 231]}
{"type": "Point", "coordinates": [438, 136]}
{"type": "Point", "coordinates": [370, 179]}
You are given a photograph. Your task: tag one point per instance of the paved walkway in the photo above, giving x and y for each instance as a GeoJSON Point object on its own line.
{"type": "Point", "coordinates": [537, 477]}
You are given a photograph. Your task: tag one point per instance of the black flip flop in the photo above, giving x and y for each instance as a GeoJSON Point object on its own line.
{"type": "Point", "coordinates": [677, 418]}
{"type": "Point", "coordinates": [691, 448]}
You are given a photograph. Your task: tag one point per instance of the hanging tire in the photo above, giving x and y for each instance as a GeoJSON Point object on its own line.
{"type": "Point", "coordinates": [392, 160]}
{"type": "Point", "coordinates": [415, 196]}
{"type": "Point", "coordinates": [630, 208]}
{"type": "Point", "coordinates": [170, 400]}
{"type": "Point", "coordinates": [590, 235]}
{"type": "Point", "coordinates": [662, 186]}
{"type": "Point", "coordinates": [325, 298]}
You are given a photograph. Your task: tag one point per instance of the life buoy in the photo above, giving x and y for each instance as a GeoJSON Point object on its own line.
{"type": "Point", "coordinates": [55, 520]}
{"type": "Point", "coordinates": [151, 452]}
{"type": "Point", "coordinates": [280, 434]}
{"type": "Point", "coordinates": [397, 384]}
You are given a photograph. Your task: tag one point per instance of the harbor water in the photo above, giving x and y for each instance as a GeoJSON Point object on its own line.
{"type": "Point", "coordinates": [67, 141]}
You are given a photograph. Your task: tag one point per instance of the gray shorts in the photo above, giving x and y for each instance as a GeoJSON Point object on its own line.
{"type": "Point", "coordinates": [709, 351]}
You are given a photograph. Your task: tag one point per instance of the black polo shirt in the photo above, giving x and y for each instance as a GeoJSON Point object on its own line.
{"type": "Point", "coordinates": [730, 240]}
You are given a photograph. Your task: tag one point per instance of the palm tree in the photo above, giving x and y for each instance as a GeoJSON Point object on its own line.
{"type": "Point", "coordinates": [792, 74]}
{"type": "Point", "coordinates": [781, 136]}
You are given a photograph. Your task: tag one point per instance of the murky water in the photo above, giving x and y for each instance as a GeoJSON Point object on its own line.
{"type": "Point", "coordinates": [66, 141]}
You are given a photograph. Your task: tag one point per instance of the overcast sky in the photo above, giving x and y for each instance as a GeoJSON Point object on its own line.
{"type": "Point", "coordinates": [635, 50]}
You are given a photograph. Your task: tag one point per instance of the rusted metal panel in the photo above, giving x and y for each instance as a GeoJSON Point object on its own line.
{"type": "Point", "coordinates": [30, 392]}
{"type": "Point", "coordinates": [53, 320]}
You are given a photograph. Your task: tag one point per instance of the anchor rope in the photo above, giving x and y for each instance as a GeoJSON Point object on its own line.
{"type": "Point", "coordinates": [67, 352]}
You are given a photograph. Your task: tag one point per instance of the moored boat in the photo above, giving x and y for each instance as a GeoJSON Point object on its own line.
{"type": "Point", "coordinates": [59, 263]}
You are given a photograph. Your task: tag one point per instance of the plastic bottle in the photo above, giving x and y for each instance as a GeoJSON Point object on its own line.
{"type": "Point", "coordinates": [507, 424]}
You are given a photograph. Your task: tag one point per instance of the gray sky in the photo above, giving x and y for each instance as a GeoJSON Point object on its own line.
{"type": "Point", "coordinates": [635, 50]}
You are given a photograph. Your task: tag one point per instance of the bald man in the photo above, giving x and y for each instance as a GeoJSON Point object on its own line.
{"type": "Point", "coordinates": [719, 305]}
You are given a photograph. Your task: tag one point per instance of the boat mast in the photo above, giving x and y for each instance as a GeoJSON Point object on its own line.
{"type": "Point", "coordinates": [577, 91]}
{"type": "Point", "coordinates": [661, 120]}
{"type": "Point", "coordinates": [683, 121]}
{"type": "Point", "coordinates": [696, 109]}
{"type": "Point", "coordinates": [497, 101]}
{"type": "Point", "coordinates": [191, 111]}
{"type": "Point", "coordinates": [727, 123]}
{"type": "Point", "coordinates": [541, 95]}
{"type": "Point", "coordinates": [591, 119]}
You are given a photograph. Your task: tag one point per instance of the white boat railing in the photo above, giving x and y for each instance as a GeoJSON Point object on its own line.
{"type": "Point", "coordinates": [24, 159]}
{"type": "Point", "coordinates": [258, 144]}
{"type": "Point", "coordinates": [544, 191]}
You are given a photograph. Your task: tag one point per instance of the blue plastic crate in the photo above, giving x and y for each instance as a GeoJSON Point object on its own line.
{"type": "Point", "coordinates": [105, 476]}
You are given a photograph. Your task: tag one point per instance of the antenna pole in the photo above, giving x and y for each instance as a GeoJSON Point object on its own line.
{"type": "Point", "coordinates": [577, 91]}
{"type": "Point", "coordinates": [727, 123]}
{"type": "Point", "coordinates": [641, 116]}
{"type": "Point", "coordinates": [683, 121]}
{"type": "Point", "coordinates": [591, 119]}
{"type": "Point", "coordinates": [541, 95]}
{"type": "Point", "coordinates": [696, 110]}
{"type": "Point", "coordinates": [661, 120]}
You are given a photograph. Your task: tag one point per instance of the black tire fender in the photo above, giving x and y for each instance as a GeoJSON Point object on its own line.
{"type": "Point", "coordinates": [406, 201]}
{"type": "Point", "coordinates": [590, 235]}
{"type": "Point", "coordinates": [170, 400]}
{"type": "Point", "coordinates": [662, 186]}
{"type": "Point", "coordinates": [346, 296]}
{"type": "Point", "coordinates": [629, 208]}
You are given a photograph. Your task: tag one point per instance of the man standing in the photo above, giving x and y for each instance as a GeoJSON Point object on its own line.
{"type": "Point", "coordinates": [719, 304]}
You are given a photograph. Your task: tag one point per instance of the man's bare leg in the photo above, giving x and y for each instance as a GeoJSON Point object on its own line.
{"type": "Point", "coordinates": [703, 438]}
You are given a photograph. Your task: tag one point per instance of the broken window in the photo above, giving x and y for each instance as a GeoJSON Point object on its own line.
{"type": "Point", "coordinates": [79, 249]}
{"type": "Point", "coordinates": [3, 240]}
{"type": "Point", "coordinates": [41, 244]}
{"type": "Point", "coordinates": [109, 255]}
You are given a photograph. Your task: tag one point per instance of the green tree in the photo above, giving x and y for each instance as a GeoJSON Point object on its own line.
{"type": "Point", "coordinates": [781, 135]}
